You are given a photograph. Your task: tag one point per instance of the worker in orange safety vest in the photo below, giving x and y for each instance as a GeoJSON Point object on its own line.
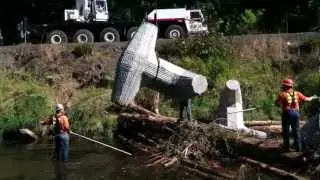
{"type": "Point", "coordinates": [289, 100]}
{"type": "Point", "coordinates": [61, 131]}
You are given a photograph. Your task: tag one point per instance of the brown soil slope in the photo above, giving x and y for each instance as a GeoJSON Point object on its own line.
{"type": "Point", "coordinates": [62, 63]}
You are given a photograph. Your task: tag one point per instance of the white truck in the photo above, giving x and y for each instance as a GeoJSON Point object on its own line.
{"type": "Point", "coordinates": [178, 22]}
{"type": "Point", "coordinates": [90, 22]}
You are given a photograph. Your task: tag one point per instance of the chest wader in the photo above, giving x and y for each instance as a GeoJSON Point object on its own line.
{"type": "Point", "coordinates": [56, 127]}
{"type": "Point", "coordinates": [290, 118]}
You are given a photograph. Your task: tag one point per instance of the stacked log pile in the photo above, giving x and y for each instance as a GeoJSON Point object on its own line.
{"type": "Point", "coordinates": [205, 149]}
{"type": "Point", "coordinates": [168, 142]}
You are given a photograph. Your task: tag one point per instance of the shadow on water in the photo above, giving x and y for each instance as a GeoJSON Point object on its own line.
{"type": "Point", "coordinates": [87, 161]}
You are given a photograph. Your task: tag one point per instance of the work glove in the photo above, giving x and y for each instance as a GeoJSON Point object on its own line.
{"type": "Point", "coordinates": [314, 97]}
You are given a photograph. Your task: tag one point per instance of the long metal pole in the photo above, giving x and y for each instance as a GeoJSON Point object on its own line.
{"type": "Point", "coordinates": [250, 109]}
{"type": "Point", "coordinates": [106, 145]}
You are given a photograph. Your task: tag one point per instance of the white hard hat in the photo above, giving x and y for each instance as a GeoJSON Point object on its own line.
{"type": "Point", "coordinates": [58, 107]}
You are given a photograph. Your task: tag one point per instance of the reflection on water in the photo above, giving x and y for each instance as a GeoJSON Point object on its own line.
{"type": "Point", "coordinates": [87, 161]}
{"type": "Point", "coordinates": [60, 170]}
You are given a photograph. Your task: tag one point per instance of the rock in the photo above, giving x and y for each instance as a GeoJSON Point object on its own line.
{"type": "Point", "coordinates": [23, 135]}
{"type": "Point", "coordinates": [27, 132]}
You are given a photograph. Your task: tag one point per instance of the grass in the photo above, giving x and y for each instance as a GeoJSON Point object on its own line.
{"type": "Point", "coordinates": [89, 114]}
{"type": "Point", "coordinates": [26, 100]}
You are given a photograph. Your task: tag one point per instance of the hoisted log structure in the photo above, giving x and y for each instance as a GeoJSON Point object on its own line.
{"type": "Point", "coordinates": [139, 66]}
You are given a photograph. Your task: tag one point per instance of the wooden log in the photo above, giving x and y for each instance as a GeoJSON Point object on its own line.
{"type": "Point", "coordinates": [155, 158]}
{"type": "Point", "coordinates": [277, 129]}
{"type": "Point", "coordinates": [145, 117]}
{"type": "Point", "coordinates": [165, 160]}
{"type": "Point", "coordinates": [171, 162]}
{"type": "Point", "coordinates": [147, 139]}
{"type": "Point", "coordinates": [146, 111]}
{"type": "Point", "coordinates": [139, 146]}
{"type": "Point", "coordinates": [141, 109]}
{"type": "Point", "coordinates": [155, 154]}
{"type": "Point", "coordinates": [268, 168]}
{"type": "Point", "coordinates": [148, 148]}
{"type": "Point", "coordinates": [221, 172]}
{"type": "Point", "coordinates": [266, 123]}
{"type": "Point", "coordinates": [155, 162]}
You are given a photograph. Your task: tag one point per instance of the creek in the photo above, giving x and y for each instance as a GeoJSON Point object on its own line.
{"type": "Point", "coordinates": [87, 161]}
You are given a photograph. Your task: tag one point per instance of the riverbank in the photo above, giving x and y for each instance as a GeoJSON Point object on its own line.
{"type": "Point", "coordinates": [35, 77]}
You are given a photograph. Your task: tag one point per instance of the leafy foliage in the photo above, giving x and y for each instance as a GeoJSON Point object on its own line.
{"type": "Point", "coordinates": [309, 84]}
{"type": "Point", "coordinates": [202, 47]}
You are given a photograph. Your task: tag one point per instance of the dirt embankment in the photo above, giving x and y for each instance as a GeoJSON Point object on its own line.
{"type": "Point", "coordinates": [87, 65]}
{"type": "Point", "coordinates": [79, 64]}
{"type": "Point", "coordinates": [66, 63]}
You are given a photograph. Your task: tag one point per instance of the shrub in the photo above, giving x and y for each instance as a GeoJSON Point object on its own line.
{"type": "Point", "coordinates": [88, 113]}
{"type": "Point", "coordinates": [83, 50]}
{"type": "Point", "coordinates": [202, 47]}
{"type": "Point", "coordinates": [308, 83]}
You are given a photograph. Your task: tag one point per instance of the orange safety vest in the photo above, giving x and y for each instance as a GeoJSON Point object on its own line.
{"type": "Point", "coordinates": [60, 124]}
{"type": "Point", "coordinates": [292, 100]}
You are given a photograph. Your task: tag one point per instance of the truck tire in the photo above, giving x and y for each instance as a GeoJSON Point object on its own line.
{"type": "Point", "coordinates": [131, 32]}
{"type": "Point", "coordinates": [174, 32]}
{"type": "Point", "coordinates": [109, 35]}
{"type": "Point", "coordinates": [83, 36]}
{"type": "Point", "coordinates": [57, 37]}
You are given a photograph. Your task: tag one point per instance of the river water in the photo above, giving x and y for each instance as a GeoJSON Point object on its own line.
{"type": "Point", "coordinates": [87, 161]}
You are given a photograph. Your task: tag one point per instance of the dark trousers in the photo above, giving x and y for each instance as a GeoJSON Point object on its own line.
{"type": "Point", "coordinates": [185, 105]}
{"type": "Point", "coordinates": [291, 119]}
{"type": "Point", "coordinates": [61, 150]}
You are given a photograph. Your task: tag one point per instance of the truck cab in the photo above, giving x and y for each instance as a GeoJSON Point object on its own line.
{"type": "Point", "coordinates": [195, 25]}
{"type": "Point", "coordinates": [178, 22]}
